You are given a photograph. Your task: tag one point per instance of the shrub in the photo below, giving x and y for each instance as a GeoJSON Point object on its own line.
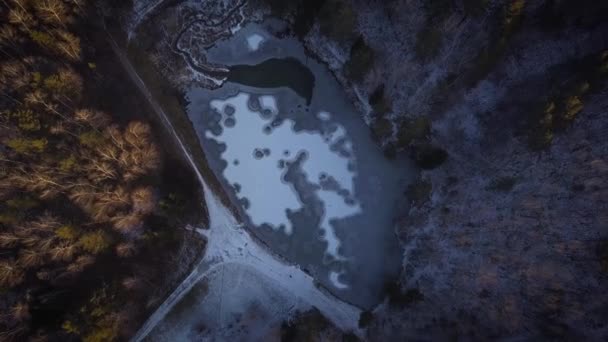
{"type": "Point", "coordinates": [91, 139]}
{"type": "Point", "coordinates": [305, 15]}
{"type": "Point", "coordinates": [412, 130]}
{"type": "Point", "coordinates": [365, 318]}
{"type": "Point", "coordinates": [278, 7]}
{"type": "Point", "coordinates": [361, 60]}
{"type": "Point", "coordinates": [337, 20]}
{"type": "Point", "coordinates": [67, 164]}
{"type": "Point", "coordinates": [419, 192]}
{"type": "Point", "coordinates": [389, 151]}
{"type": "Point", "coordinates": [23, 203]}
{"type": "Point", "coordinates": [541, 132]}
{"type": "Point", "coordinates": [397, 298]}
{"type": "Point", "coordinates": [475, 8]}
{"type": "Point", "coordinates": [26, 146]}
{"type": "Point", "coordinates": [382, 129]}
{"type": "Point", "coordinates": [438, 10]}
{"type": "Point", "coordinates": [27, 120]}
{"type": "Point", "coordinates": [602, 252]}
{"type": "Point", "coordinates": [428, 43]}
{"type": "Point", "coordinates": [540, 139]}
{"type": "Point", "coordinates": [43, 39]}
{"type": "Point", "coordinates": [513, 14]}
{"type": "Point", "coordinates": [380, 103]}
{"type": "Point", "coordinates": [106, 332]}
{"type": "Point", "coordinates": [502, 184]}
{"type": "Point", "coordinates": [565, 103]}
{"type": "Point", "coordinates": [95, 242]}
{"type": "Point", "coordinates": [67, 232]}
{"type": "Point", "coordinates": [70, 328]}
{"type": "Point", "coordinates": [9, 217]}
{"type": "Point", "coordinates": [573, 106]}
{"type": "Point", "coordinates": [428, 156]}
{"type": "Point", "coordinates": [491, 55]}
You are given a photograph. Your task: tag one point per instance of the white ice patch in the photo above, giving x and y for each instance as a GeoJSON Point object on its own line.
{"type": "Point", "coordinates": [254, 155]}
{"type": "Point", "coordinates": [322, 115]}
{"type": "Point", "coordinates": [334, 277]}
{"type": "Point", "coordinates": [254, 41]}
{"type": "Point", "coordinates": [236, 28]}
{"type": "Point", "coordinates": [269, 102]}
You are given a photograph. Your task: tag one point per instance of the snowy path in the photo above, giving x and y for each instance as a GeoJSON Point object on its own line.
{"type": "Point", "coordinates": [229, 242]}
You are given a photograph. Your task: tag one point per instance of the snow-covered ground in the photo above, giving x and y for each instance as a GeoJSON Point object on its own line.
{"type": "Point", "coordinates": [254, 41]}
{"type": "Point", "coordinates": [230, 244]}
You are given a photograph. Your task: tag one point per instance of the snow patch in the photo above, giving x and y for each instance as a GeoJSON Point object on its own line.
{"type": "Point", "coordinates": [254, 41]}
{"type": "Point", "coordinates": [334, 277]}
{"type": "Point", "coordinates": [322, 115]}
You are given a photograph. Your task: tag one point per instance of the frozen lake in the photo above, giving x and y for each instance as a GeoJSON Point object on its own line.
{"type": "Point", "coordinates": [293, 151]}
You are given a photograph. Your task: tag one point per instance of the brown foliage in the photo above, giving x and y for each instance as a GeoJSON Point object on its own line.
{"type": "Point", "coordinates": [14, 75]}
{"type": "Point", "coordinates": [10, 274]}
{"type": "Point", "coordinates": [93, 118]}
{"type": "Point", "coordinates": [63, 252]}
{"type": "Point", "coordinates": [126, 249]}
{"type": "Point", "coordinates": [20, 16]}
{"type": "Point", "coordinates": [132, 283]}
{"type": "Point", "coordinates": [53, 12]}
{"type": "Point", "coordinates": [20, 312]}
{"type": "Point", "coordinates": [128, 222]}
{"type": "Point", "coordinates": [143, 200]}
{"type": "Point", "coordinates": [8, 240]}
{"type": "Point", "coordinates": [81, 263]}
{"type": "Point", "coordinates": [9, 36]}
{"type": "Point", "coordinates": [29, 258]}
{"type": "Point", "coordinates": [68, 45]}
{"type": "Point", "coordinates": [65, 85]}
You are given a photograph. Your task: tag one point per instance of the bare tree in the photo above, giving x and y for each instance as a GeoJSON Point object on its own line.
{"type": "Point", "coordinates": [81, 263]}
{"type": "Point", "coordinates": [80, 5]}
{"type": "Point", "coordinates": [8, 240]}
{"type": "Point", "coordinates": [83, 196]}
{"type": "Point", "coordinates": [126, 249]}
{"type": "Point", "coordinates": [63, 252]}
{"type": "Point", "coordinates": [68, 45]}
{"type": "Point", "coordinates": [143, 200]}
{"type": "Point", "coordinates": [93, 118]}
{"type": "Point", "coordinates": [21, 17]}
{"type": "Point", "coordinates": [132, 283]}
{"type": "Point", "coordinates": [100, 170]}
{"type": "Point", "coordinates": [65, 86]}
{"type": "Point", "coordinates": [127, 222]}
{"type": "Point", "coordinates": [10, 274]}
{"type": "Point", "coordinates": [20, 312]}
{"type": "Point", "coordinates": [29, 258]}
{"type": "Point", "coordinates": [53, 12]}
{"type": "Point", "coordinates": [10, 37]}
{"type": "Point", "coordinates": [14, 75]}
{"type": "Point", "coordinates": [138, 134]}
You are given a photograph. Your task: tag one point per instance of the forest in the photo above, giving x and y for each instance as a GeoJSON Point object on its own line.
{"type": "Point", "coordinates": [85, 206]}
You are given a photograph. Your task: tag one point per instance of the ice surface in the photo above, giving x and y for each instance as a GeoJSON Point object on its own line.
{"type": "Point", "coordinates": [310, 181]}
{"type": "Point", "coordinates": [254, 41]}
{"type": "Point", "coordinates": [335, 280]}
{"type": "Point", "coordinates": [262, 164]}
